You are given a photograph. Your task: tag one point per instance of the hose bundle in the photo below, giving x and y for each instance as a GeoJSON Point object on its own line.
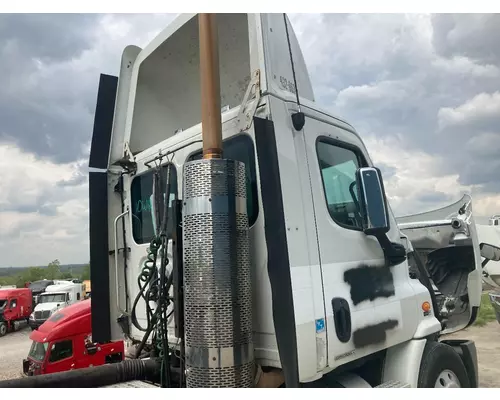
{"type": "Point", "coordinates": [154, 284]}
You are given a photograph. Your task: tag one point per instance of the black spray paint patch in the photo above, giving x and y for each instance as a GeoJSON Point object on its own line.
{"type": "Point", "coordinates": [369, 283]}
{"type": "Point", "coordinates": [373, 334]}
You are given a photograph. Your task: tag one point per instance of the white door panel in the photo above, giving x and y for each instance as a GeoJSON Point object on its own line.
{"type": "Point", "coordinates": [374, 304]}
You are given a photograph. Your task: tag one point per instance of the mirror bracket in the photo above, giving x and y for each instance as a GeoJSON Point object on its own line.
{"type": "Point", "coordinates": [91, 348]}
{"type": "Point", "coordinates": [394, 253]}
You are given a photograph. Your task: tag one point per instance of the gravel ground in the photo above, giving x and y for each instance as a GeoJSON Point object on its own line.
{"type": "Point", "coordinates": [15, 346]}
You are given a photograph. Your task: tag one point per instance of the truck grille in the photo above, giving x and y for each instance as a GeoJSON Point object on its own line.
{"type": "Point", "coordinates": [42, 314]}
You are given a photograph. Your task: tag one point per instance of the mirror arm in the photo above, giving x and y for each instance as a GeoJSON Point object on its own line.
{"type": "Point", "coordinates": [394, 253]}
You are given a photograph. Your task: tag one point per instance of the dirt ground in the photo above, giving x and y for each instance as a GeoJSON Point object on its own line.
{"type": "Point", "coordinates": [15, 346]}
{"type": "Point", "coordinates": [487, 340]}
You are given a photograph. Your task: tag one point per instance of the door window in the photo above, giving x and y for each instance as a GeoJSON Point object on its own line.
{"type": "Point", "coordinates": [338, 165]}
{"type": "Point", "coordinates": [13, 304]}
{"type": "Point", "coordinates": [61, 350]}
{"type": "Point", "coordinates": [142, 217]}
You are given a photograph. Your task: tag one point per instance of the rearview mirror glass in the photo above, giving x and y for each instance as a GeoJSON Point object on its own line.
{"type": "Point", "coordinates": [372, 201]}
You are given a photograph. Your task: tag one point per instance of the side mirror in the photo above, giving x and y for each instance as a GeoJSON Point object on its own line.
{"type": "Point", "coordinates": [91, 348]}
{"type": "Point", "coordinates": [491, 253]}
{"type": "Point", "coordinates": [372, 202]}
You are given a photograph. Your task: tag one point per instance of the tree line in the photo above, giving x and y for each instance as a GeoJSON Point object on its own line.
{"type": "Point", "coordinates": [51, 271]}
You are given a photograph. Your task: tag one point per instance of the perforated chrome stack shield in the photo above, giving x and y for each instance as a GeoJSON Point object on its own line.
{"type": "Point", "coordinates": [217, 280]}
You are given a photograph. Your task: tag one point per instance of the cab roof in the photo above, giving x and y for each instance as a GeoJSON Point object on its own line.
{"type": "Point", "coordinates": [69, 321]}
{"type": "Point", "coordinates": [5, 293]}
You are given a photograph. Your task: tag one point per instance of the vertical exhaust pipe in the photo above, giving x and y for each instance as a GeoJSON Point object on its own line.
{"type": "Point", "coordinates": [217, 279]}
{"type": "Point", "coordinates": [210, 87]}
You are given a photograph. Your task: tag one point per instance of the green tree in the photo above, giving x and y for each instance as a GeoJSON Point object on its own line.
{"type": "Point", "coordinates": [86, 273]}
{"type": "Point", "coordinates": [8, 280]}
{"type": "Point", "coordinates": [66, 275]}
{"type": "Point", "coordinates": [30, 275]}
{"type": "Point", "coordinates": [53, 270]}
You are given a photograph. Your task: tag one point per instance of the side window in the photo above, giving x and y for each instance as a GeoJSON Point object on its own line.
{"type": "Point", "coordinates": [78, 296]}
{"type": "Point", "coordinates": [61, 350]}
{"type": "Point", "coordinates": [142, 217]}
{"type": "Point", "coordinates": [241, 148]}
{"type": "Point", "coordinates": [338, 167]}
{"type": "Point", "coordinates": [13, 303]}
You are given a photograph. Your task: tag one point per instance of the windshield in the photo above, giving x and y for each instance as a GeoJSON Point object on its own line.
{"type": "Point", "coordinates": [38, 351]}
{"type": "Point", "coordinates": [3, 304]}
{"type": "Point", "coordinates": [52, 298]}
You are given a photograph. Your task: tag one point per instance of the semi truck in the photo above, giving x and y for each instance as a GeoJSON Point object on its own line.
{"type": "Point", "coordinates": [241, 236]}
{"type": "Point", "coordinates": [38, 287]}
{"type": "Point", "coordinates": [64, 342]}
{"type": "Point", "coordinates": [54, 298]}
{"type": "Point", "coordinates": [15, 308]}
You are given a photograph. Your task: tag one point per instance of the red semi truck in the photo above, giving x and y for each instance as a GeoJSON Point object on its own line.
{"type": "Point", "coordinates": [64, 342]}
{"type": "Point", "coordinates": [16, 306]}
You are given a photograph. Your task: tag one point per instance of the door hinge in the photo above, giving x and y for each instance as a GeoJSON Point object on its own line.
{"type": "Point", "coordinates": [249, 103]}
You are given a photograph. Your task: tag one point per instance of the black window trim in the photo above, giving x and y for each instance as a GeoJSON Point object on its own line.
{"type": "Point", "coordinates": [149, 170]}
{"type": "Point", "coordinates": [361, 162]}
{"type": "Point", "coordinates": [238, 135]}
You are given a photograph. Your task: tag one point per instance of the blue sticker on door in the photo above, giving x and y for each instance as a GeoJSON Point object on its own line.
{"type": "Point", "coordinates": [320, 325]}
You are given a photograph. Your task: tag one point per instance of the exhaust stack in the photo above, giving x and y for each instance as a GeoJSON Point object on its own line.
{"type": "Point", "coordinates": [217, 279]}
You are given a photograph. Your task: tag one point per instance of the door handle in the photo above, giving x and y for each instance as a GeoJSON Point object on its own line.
{"type": "Point", "coordinates": [122, 215]}
{"type": "Point", "coordinates": [342, 319]}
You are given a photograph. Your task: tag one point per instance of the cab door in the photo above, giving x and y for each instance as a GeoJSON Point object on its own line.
{"type": "Point", "coordinates": [369, 306]}
{"type": "Point", "coordinates": [61, 356]}
{"type": "Point", "coordinates": [11, 310]}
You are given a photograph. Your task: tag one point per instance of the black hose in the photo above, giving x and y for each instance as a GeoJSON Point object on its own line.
{"type": "Point", "coordinates": [93, 377]}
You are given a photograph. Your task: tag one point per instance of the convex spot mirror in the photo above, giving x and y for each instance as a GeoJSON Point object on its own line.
{"type": "Point", "coordinates": [490, 252]}
{"type": "Point", "coordinates": [372, 201]}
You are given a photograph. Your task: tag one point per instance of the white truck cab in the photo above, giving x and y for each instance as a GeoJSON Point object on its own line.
{"type": "Point", "coordinates": [54, 298]}
{"type": "Point", "coordinates": [342, 294]}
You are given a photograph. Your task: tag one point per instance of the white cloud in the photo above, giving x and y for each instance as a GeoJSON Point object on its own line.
{"type": "Point", "coordinates": [40, 221]}
{"type": "Point", "coordinates": [416, 178]}
{"type": "Point", "coordinates": [380, 93]}
{"type": "Point", "coordinates": [417, 184]}
{"type": "Point", "coordinates": [465, 66]}
{"type": "Point", "coordinates": [480, 106]}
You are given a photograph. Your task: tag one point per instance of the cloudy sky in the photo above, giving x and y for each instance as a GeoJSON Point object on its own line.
{"type": "Point", "coordinates": [422, 90]}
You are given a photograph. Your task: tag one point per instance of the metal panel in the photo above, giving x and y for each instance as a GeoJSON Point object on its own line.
{"type": "Point", "coordinates": [217, 279]}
